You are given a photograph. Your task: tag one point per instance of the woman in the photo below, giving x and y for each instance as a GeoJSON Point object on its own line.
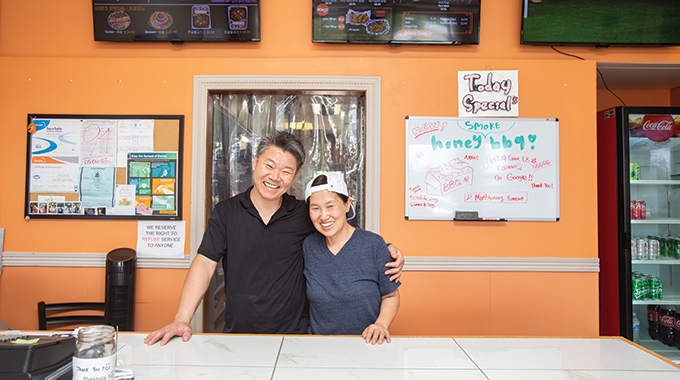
{"type": "Point", "coordinates": [347, 290]}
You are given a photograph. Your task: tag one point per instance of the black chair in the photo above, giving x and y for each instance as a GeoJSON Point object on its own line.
{"type": "Point", "coordinates": [118, 308]}
{"type": "Point", "coordinates": [70, 313]}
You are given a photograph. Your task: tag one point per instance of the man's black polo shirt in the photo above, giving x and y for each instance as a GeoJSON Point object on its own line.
{"type": "Point", "coordinates": [263, 267]}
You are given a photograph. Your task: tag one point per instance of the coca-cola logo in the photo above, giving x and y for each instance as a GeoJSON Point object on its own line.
{"type": "Point", "coordinates": [653, 316]}
{"type": "Point", "coordinates": [658, 127]}
{"type": "Point", "coordinates": [667, 321]}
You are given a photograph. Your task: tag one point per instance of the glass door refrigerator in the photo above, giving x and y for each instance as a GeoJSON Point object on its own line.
{"type": "Point", "coordinates": [639, 226]}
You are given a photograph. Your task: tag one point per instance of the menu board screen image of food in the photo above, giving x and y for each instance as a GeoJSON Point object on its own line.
{"type": "Point", "coordinates": [176, 20]}
{"type": "Point", "coordinates": [396, 21]}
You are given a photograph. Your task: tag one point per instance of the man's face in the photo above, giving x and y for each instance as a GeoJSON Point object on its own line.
{"type": "Point", "coordinates": [274, 173]}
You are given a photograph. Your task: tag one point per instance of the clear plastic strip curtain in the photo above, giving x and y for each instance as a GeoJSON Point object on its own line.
{"type": "Point", "coordinates": [331, 127]}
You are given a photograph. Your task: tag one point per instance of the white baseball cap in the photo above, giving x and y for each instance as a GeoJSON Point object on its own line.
{"type": "Point", "coordinates": [335, 182]}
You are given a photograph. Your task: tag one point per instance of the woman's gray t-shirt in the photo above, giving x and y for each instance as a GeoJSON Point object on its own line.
{"type": "Point", "coordinates": [345, 290]}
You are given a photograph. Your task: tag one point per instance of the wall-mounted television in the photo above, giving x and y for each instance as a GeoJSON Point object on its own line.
{"type": "Point", "coordinates": [601, 23]}
{"type": "Point", "coordinates": [396, 22]}
{"type": "Point", "coordinates": [176, 21]}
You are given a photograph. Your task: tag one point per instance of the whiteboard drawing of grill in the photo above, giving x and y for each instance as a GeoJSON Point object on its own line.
{"type": "Point", "coordinates": [449, 176]}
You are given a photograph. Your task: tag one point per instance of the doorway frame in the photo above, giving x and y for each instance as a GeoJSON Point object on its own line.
{"type": "Point", "coordinates": [200, 171]}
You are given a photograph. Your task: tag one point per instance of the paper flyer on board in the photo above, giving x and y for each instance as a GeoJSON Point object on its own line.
{"type": "Point", "coordinates": [51, 176]}
{"type": "Point", "coordinates": [56, 138]}
{"type": "Point", "coordinates": [97, 188]}
{"type": "Point", "coordinates": [98, 143]}
{"type": "Point", "coordinates": [55, 153]}
{"type": "Point", "coordinates": [134, 136]}
{"type": "Point", "coordinates": [154, 175]}
{"type": "Point", "coordinates": [124, 203]}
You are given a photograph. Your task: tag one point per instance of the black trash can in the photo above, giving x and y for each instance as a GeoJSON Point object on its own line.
{"type": "Point", "coordinates": [120, 289]}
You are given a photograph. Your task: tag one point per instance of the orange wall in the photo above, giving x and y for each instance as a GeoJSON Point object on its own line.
{"type": "Point", "coordinates": [638, 98]}
{"type": "Point", "coordinates": [60, 69]}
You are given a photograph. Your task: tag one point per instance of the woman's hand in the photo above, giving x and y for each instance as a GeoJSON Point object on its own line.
{"type": "Point", "coordinates": [376, 334]}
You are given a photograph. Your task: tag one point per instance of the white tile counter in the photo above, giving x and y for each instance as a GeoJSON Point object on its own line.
{"type": "Point", "coordinates": [218, 356]}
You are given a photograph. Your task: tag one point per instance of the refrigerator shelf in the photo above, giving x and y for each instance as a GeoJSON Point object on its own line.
{"type": "Point", "coordinates": [670, 297]}
{"type": "Point", "coordinates": [654, 182]}
{"type": "Point", "coordinates": [655, 221]}
{"type": "Point", "coordinates": [644, 145]}
{"type": "Point", "coordinates": [663, 260]}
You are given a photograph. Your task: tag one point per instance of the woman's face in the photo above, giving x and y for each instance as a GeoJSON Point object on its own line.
{"type": "Point", "coordinates": [328, 212]}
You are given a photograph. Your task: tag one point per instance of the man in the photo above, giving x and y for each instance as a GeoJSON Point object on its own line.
{"type": "Point", "coordinates": [259, 235]}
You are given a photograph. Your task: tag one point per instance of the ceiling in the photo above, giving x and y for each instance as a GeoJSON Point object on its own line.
{"type": "Point", "coordinates": [639, 76]}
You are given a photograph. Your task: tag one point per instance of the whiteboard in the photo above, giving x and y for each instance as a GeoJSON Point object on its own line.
{"type": "Point", "coordinates": [501, 168]}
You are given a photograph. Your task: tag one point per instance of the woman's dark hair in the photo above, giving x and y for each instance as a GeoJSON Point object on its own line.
{"type": "Point", "coordinates": [321, 179]}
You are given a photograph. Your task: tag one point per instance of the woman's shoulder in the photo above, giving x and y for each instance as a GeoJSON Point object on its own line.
{"type": "Point", "coordinates": [368, 236]}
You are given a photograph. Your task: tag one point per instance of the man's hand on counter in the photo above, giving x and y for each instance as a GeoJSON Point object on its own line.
{"type": "Point", "coordinates": [166, 333]}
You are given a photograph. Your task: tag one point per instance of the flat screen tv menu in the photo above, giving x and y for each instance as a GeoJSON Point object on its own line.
{"type": "Point", "coordinates": [396, 21]}
{"type": "Point", "coordinates": [176, 20]}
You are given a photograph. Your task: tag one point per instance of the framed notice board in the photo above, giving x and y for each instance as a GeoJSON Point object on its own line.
{"type": "Point", "coordinates": [495, 169]}
{"type": "Point", "coordinates": [104, 167]}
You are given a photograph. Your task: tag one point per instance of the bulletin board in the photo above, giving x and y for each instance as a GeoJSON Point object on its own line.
{"type": "Point", "coordinates": [104, 167]}
{"type": "Point", "coordinates": [482, 169]}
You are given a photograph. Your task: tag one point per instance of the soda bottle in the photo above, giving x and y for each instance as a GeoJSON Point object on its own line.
{"type": "Point", "coordinates": [636, 329]}
{"type": "Point", "coordinates": [653, 321]}
{"type": "Point", "coordinates": [666, 326]}
{"type": "Point", "coordinates": [677, 329]}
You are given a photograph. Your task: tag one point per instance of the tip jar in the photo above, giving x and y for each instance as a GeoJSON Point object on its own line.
{"type": "Point", "coordinates": [95, 356]}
